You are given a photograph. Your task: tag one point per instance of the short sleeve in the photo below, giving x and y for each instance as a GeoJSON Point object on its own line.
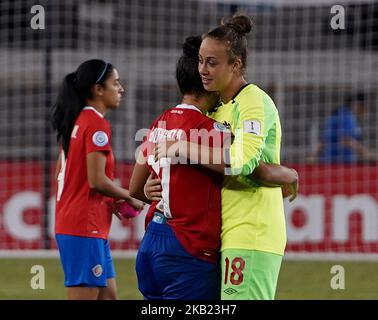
{"type": "Point", "coordinates": [98, 137]}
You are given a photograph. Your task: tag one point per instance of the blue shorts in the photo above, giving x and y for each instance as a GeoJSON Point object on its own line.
{"type": "Point", "coordinates": [165, 270]}
{"type": "Point", "coordinates": [86, 261]}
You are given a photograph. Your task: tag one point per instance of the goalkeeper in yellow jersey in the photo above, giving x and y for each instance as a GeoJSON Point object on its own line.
{"type": "Point", "coordinates": [253, 222]}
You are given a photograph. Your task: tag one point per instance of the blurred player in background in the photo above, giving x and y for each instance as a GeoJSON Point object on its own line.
{"type": "Point", "coordinates": [341, 139]}
{"type": "Point", "coordinates": [85, 172]}
{"type": "Point", "coordinates": [189, 193]}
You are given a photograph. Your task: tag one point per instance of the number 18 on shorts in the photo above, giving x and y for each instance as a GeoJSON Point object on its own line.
{"type": "Point", "coordinates": [249, 274]}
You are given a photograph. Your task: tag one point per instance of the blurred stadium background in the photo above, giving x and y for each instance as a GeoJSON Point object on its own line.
{"type": "Point", "coordinates": [305, 65]}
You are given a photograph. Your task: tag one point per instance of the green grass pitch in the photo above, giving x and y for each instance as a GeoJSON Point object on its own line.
{"type": "Point", "coordinates": [298, 280]}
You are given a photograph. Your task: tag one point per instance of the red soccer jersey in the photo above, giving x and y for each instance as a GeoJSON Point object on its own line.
{"type": "Point", "coordinates": [80, 210]}
{"type": "Point", "coordinates": [191, 193]}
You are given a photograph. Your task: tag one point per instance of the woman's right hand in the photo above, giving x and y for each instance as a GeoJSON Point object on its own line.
{"type": "Point", "coordinates": [136, 204]}
{"type": "Point", "coordinates": [291, 189]}
{"type": "Point", "coordinates": [125, 209]}
{"type": "Point", "coordinates": [152, 188]}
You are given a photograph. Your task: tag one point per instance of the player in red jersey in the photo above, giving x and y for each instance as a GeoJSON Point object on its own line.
{"type": "Point", "coordinates": [179, 254]}
{"type": "Point", "coordinates": [85, 172]}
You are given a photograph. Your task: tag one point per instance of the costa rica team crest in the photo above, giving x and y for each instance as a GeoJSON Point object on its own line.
{"type": "Point", "coordinates": [97, 270]}
{"type": "Point", "coordinates": [100, 138]}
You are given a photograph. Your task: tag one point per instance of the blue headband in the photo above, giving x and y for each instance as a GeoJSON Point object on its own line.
{"type": "Point", "coordinates": [102, 73]}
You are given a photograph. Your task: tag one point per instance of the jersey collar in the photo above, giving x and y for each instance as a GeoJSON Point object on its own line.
{"type": "Point", "coordinates": [240, 90]}
{"type": "Point", "coordinates": [93, 109]}
{"type": "Point", "coordinates": [188, 106]}
{"type": "Point", "coordinates": [236, 94]}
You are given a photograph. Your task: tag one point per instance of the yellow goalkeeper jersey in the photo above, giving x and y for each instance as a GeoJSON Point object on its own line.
{"type": "Point", "coordinates": [252, 215]}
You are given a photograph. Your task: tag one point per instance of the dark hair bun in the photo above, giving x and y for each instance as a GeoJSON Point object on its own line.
{"type": "Point", "coordinates": [241, 23]}
{"type": "Point", "coordinates": [191, 46]}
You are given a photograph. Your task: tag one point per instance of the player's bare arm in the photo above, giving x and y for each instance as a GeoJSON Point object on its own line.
{"type": "Point", "coordinates": [274, 175]}
{"type": "Point", "coordinates": [359, 148]}
{"type": "Point", "coordinates": [138, 180]}
{"type": "Point", "coordinates": [97, 179]}
{"type": "Point", "coordinates": [270, 175]}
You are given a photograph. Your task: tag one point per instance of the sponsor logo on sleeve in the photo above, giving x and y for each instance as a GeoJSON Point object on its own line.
{"type": "Point", "coordinates": [100, 139]}
{"type": "Point", "coordinates": [252, 126]}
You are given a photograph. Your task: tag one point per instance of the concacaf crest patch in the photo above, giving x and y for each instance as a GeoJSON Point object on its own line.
{"type": "Point", "coordinates": [100, 138]}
